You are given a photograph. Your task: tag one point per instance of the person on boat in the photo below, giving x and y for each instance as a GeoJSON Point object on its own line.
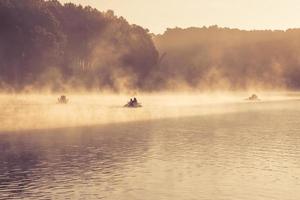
{"type": "Point", "coordinates": [254, 97]}
{"type": "Point", "coordinates": [131, 102]}
{"type": "Point", "coordinates": [63, 99]}
{"type": "Point", "coordinates": [135, 102]}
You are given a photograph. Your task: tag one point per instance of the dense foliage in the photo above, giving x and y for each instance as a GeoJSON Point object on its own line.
{"type": "Point", "coordinates": [222, 58]}
{"type": "Point", "coordinates": [46, 44]}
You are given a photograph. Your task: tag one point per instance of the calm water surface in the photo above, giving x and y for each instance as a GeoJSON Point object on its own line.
{"type": "Point", "coordinates": [252, 153]}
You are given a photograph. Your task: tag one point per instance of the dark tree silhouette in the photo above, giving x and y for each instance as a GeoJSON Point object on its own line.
{"type": "Point", "coordinates": [44, 43]}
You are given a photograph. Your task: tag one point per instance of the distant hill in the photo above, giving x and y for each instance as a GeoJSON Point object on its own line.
{"type": "Point", "coordinates": [222, 58]}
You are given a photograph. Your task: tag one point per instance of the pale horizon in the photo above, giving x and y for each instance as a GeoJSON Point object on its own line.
{"type": "Point", "coordinates": [158, 16]}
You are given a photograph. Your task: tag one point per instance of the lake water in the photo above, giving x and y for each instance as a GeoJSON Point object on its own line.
{"type": "Point", "coordinates": [230, 150]}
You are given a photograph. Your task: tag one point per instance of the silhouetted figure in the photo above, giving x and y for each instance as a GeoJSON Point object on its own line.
{"type": "Point", "coordinates": [133, 103]}
{"type": "Point", "coordinates": [63, 99]}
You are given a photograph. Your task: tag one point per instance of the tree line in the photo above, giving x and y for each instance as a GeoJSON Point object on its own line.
{"type": "Point", "coordinates": [44, 44]}
{"type": "Point", "coordinates": [47, 45]}
{"type": "Point", "coordinates": [231, 59]}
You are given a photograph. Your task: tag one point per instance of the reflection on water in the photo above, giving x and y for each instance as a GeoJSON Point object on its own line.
{"type": "Point", "coordinates": [252, 153]}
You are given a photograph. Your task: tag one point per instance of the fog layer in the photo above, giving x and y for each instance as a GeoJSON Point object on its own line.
{"type": "Point", "coordinates": [40, 111]}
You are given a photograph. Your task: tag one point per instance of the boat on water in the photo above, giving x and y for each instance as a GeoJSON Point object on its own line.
{"type": "Point", "coordinates": [62, 100]}
{"type": "Point", "coordinates": [253, 97]}
{"type": "Point", "coordinates": [133, 103]}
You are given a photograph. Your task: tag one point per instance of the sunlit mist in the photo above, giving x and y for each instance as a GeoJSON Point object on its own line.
{"type": "Point", "coordinates": [149, 99]}
{"type": "Point", "coordinates": [30, 112]}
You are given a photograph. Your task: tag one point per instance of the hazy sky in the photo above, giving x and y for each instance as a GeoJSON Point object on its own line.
{"type": "Point", "coordinates": [157, 15]}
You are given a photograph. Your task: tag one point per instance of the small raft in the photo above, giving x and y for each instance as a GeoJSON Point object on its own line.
{"type": "Point", "coordinates": [254, 97]}
{"type": "Point", "coordinates": [62, 100]}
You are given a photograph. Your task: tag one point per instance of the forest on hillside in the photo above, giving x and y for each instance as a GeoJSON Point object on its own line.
{"type": "Point", "coordinates": [44, 44]}
{"type": "Point", "coordinates": [47, 45]}
{"type": "Point", "coordinates": [223, 58]}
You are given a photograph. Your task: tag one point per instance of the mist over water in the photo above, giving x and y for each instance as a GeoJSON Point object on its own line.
{"type": "Point", "coordinates": [178, 147]}
{"type": "Point", "coordinates": [28, 112]}
{"type": "Point", "coordinates": [198, 135]}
